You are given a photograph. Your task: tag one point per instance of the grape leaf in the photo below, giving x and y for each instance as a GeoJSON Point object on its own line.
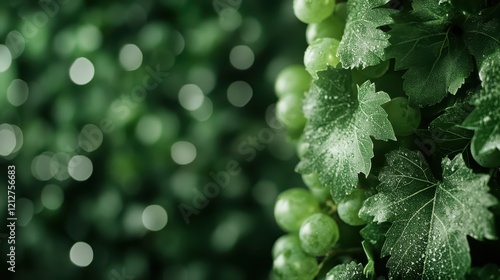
{"type": "Point", "coordinates": [446, 132]}
{"type": "Point", "coordinates": [363, 43]}
{"type": "Point", "coordinates": [467, 6]}
{"type": "Point", "coordinates": [485, 119]}
{"type": "Point", "coordinates": [375, 234]}
{"type": "Point", "coordinates": [482, 38]}
{"type": "Point", "coordinates": [350, 271]}
{"type": "Point", "coordinates": [424, 42]}
{"type": "Point", "coordinates": [430, 218]}
{"type": "Point", "coordinates": [340, 121]}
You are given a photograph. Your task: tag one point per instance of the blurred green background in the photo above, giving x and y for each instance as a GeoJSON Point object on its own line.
{"type": "Point", "coordinates": [115, 113]}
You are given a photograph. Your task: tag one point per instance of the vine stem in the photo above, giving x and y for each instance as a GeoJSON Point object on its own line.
{"type": "Point", "coordinates": [327, 257]}
{"type": "Point", "coordinates": [331, 207]}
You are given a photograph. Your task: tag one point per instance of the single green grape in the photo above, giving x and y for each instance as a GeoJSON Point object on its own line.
{"type": "Point", "coordinates": [318, 234]}
{"type": "Point", "coordinates": [376, 71]}
{"type": "Point", "coordinates": [294, 265]}
{"type": "Point", "coordinates": [319, 191]}
{"type": "Point", "coordinates": [292, 207]}
{"type": "Point", "coordinates": [309, 11]}
{"type": "Point", "coordinates": [348, 208]}
{"type": "Point", "coordinates": [289, 112]}
{"type": "Point", "coordinates": [286, 243]}
{"type": "Point", "coordinates": [292, 79]}
{"type": "Point", "coordinates": [487, 158]}
{"type": "Point", "coordinates": [404, 118]}
{"type": "Point", "coordinates": [331, 27]}
{"type": "Point", "coordinates": [321, 53]}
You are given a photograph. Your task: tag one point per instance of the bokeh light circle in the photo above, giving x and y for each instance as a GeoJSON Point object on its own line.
{"type": "Point", "coordinates": [130, 57]}
{"type": "Point", "coordinates": [241, 57]}
{"type": "Point", "coordinates": [80, 168]}
{"type": "Point", "coordinates": [90, 138]}
{"type": "Point", "coordinates": [203, 77]}
{"type": "Point", "coordinates": [251, 30]}
{"type": "Point", "coordinates": [81, 71]}
{"type": "Point", "coordinates": [8, 140]}
{"type": "Point", "coordinates": [154, 217]}
{"type": "Point", "coordinates": [89, 37]}
{"type": "Point", "coordinates": [17, 92]}
{"type": "Point", "coordinates": [239, 93]}
{"type": "Point", "coordinates": [81, 254]}
{"type": "Point", "coordinates": [183, 152]}
{"type": "Point", "coordinates": [230, 19]}
{"type": "Point", "coordinates": [149, 129]}
{"type": "Point", "coordinates": [41, 167]}
{"type": "Point", "coordinates": [205, 111]}
{"type": "Point", "coordinates": [191, 97]}
{"type": "Point", "coordinates": [52, 197]}
{"type": "Point", "coordinates": [5, 58]}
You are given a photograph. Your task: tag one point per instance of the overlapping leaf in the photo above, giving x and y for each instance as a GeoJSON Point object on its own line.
{"type": "Point", "coordinates": [363, 43]}
{"type": "Point", "coordinates": [446, 133]}
{"type": "Point", "coordinates": [485, 119]}
{"type": "Point", "coordinates": [425, 42]}
{"type": "Point", "coordinates": [375, 234]}
{"type": "Point", "coordinates": [430, 219]}
{"type": "Point", "coordinates": [481, 37]}
{"type": "Point", "coordinates": [340, 121]}
{"type": "Point", "coordinates": [349, 271]}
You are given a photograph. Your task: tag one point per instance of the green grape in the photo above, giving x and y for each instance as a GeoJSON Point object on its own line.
{"type": "Point", "coordinates": [488, 158]}
{"type": "Point", "coordinates": [292, 79]}
{"type": "Point", "coordinates": [286, 243]}
{"type": "Point", "coordinates": [309, 11]}
{"type": "Point", "coordinates": [292, 207]}
{"type": "Point", "coordinates": [289, 112]}
{"type": "Point", "coordinates": [319, 191]}
{"type": "Point", "coordinates": [404, 118]}
{"type": "Point", "coordinates": [332, 27]}
{"type": "Point", "coordinates": [295, 265]}
{"type": "Point", "coordinates": [320, 54]}
{"type": "Point", "coordinates": [348, 208]}
{"type": "Point", "coordinates": [376, 71]}
{"type": "Point", "coordinates": [318, 234]}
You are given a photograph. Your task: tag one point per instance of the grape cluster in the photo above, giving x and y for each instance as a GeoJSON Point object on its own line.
{"type": "Point", "coordinates": [313, 232]}
{"type": "Point", "coordinates": [309, 216]}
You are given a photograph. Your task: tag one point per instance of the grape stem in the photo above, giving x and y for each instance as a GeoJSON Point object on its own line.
{"type": "Point", "coordinates": [331, 207]}
{"type": "Point", "coordinates": [327, 257]}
